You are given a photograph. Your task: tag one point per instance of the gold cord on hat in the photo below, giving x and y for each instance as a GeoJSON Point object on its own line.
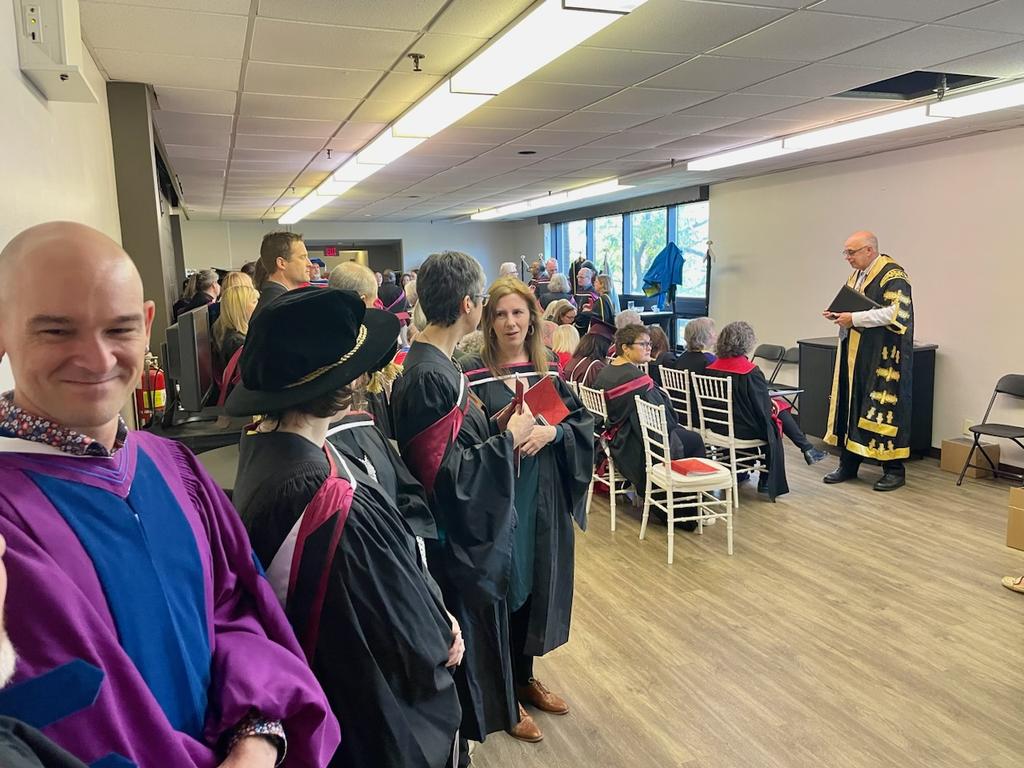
{"type": "Point", "coordinates": [360, 338]}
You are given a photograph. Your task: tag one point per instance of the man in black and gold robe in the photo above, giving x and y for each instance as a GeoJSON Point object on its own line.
{"type": "Point", "coordinates": [869, 409]}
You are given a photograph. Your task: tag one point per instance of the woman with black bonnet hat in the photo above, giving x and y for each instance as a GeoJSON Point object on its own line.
{"type": "Point", "coordinates": [340, 556]}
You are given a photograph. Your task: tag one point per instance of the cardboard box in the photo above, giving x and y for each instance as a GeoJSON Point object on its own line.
{"type": "Point", "coordinates": [954, 454]}
{"type": "Point", "coordinates": [1015, 519]}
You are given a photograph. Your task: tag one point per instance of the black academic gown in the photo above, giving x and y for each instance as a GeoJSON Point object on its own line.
{"type": "Point", "coordinates": [25, 747]}
{"type": "Point", "coordinates": [469, 483]}
{"type": "Point", "coordinates": [626, 438]}
{"type": "Point", "coordinates": [870, 404]}
{"type": "Point", "coordinates": [384, 634]}
{"type": "Point", "coordinates": [563, 471]}
{"type": "Point", "coordinates": [357, 437]}
{"type": "Point", "coordinates": [752, 415]}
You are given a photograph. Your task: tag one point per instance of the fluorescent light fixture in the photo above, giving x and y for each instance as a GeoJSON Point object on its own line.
{"type": "Point", "coordinates": [386, 148]}
{"type": "Point", "coordinates": [860, 129]}
{"type": "Point", "coordinates": [333, 187]}
{"type": "Point", "coordinates": [353, 171]}
{"type": "Point", "coordinates": [437, 111]}
{"type": "Point", "coordinates": [613, 6]}
{"type": "Point", "coordinates": [739, 156]}
{"type": "Point", "coordinates": [538, 38]}
{"type": "Point", "coordinates": [305, 206]}
{"type": "Point", "coordinates": [975, 103]}
{"type": "Point", "coordinates": [547, 201]}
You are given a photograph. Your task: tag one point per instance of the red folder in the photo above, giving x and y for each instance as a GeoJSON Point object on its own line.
{"type": "Point", "coordinates": [693, 467]}
{"type": "Point", "coordinates": [545, 402]}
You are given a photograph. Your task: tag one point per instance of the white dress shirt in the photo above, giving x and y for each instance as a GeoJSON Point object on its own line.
{"type": "Point", "coordinates": [873, 318]}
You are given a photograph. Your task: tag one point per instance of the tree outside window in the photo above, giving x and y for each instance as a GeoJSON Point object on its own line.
{"type": "Point", "coordinates": [692, 238]}
{"type": "Point", "coordinates": [608, 247]}
{"type": "Point", "coordinates": [649, 236]}
{"type": "Point", "coordinates": [577, 239]}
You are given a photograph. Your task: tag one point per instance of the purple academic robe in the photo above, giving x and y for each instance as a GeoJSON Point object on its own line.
{"type": "Point", "coordinates": [166, 699]}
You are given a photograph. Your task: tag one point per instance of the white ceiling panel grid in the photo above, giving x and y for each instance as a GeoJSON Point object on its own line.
{"type": "Point", "coordinates": [162, 30]}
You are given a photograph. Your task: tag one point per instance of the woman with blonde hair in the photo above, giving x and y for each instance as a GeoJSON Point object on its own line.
{"type": "Point", "coordinates": [555, 465]}
{"type": "Point", "coordinates": [232, 279]}
{"type": "Point", "coordinates": [564, 344]}
{"type": "Point", "coordinates": [236, 307]}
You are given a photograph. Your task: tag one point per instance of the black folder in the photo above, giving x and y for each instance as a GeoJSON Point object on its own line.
{"type": "Point", "coordinates": [849, 300]}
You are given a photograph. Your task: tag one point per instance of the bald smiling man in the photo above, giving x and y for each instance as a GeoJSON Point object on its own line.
{"type": "Point", "coordinates": [144, 628]}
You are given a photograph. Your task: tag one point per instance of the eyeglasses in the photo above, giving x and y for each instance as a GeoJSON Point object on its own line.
{"type": "Point", "coordinates": [848, 252]}
{"type": "Point", "coordinates": [481, 297]}
{"type": "Point", "coordinates": [641, 344]}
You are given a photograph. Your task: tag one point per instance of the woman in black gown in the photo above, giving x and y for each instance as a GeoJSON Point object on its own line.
{"type": "Point", "coordinates": [554, 471]}
{"type": "Point", "coordinates": [340, 556]}
{"type": "Point", "coordinates": [621, 381]}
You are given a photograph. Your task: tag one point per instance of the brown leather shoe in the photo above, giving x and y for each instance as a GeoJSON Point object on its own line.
{"type": "Point", "coordinates": [526, 729]}
{"type": "Point", "coordinates": [540, 697]}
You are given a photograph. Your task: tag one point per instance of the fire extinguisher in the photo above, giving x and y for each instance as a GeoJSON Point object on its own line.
{"type": "Point", "coordinates": [150, 395]}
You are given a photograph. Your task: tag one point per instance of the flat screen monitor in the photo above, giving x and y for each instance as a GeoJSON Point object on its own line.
{"type": "Point", "coordinates": [189, 358]}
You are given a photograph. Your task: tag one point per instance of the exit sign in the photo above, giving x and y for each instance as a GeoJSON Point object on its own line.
{"type": "Point", "coordinates": [330, 251]}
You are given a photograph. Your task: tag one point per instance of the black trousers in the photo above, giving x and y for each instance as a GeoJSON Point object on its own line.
{"type": "Point", "coordinates": [792, 430]}
{"type": "Point", "coordinates": [850, 462]}
{"type": "Point", "coordinates": [518, 628]}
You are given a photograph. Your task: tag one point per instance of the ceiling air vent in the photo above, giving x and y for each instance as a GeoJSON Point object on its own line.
{"type": "Point", "coordinates": [914, 85]}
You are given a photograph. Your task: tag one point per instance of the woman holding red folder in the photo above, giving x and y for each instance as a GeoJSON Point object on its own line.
{"type": "Point", "coordinates": [555, 464]}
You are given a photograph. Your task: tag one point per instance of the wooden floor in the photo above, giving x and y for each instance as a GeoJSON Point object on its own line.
{"type": "Point", "coordinates": [850, 628]}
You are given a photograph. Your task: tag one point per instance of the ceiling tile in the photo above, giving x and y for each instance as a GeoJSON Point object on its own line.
{"type": "Point", "coordinates": [394, 14]}
{"type": "Point", "coordinates": [910, 10]}
{"type": "Point", "coordinates": [585, 65]}
{"type": "Point", "coordinates": [481, 18]}
{"type": "Point", "coordinates": [651, 101]}
{"type": "Point", "coordinates": [698, 146]}
{"type": "Point", "coordinates": [758, 128]}
{"type": "Point", "coordinates": [545, 138]}
{"type": "Point", "coordinates": [597, 121]}
{"type": "Point", "coordinates": [531, 95]}
{"type": "Point", "coordinates": [1000, 16]}
{"type": "Point", "coordinates": [513, 150]}
{"type": "Point", "coordinates": [253, 141]}
{"type": "Point", "coordinates": [206, 166]}
{"type": "Point", "coordinates": [475, 135]}
{"type": "Point", "coordinates": [164, 69]}
{"type": "Point", "coordinates": [1007, 61]}
{"type": "Point", "coordinates": [195, 100]}
{"type": "Point", "coordinates": [828, 110]}
{"type": "Point", "coordinates": [495, 117]}
{"type": "Point", "coordinates": [162, 30]}
{"type": "Point", "coordinates": [270, 126]}
{"type": "Point", "coordinates": [563, 164]}
{"type": "Point", "coordinates": [289, 42]}
{"type": "Point", "coordinates": [435, 148]}
{"type": "Point", "coordinates": [270, 156]}
{"type": "Point", "coordinates": [744, 105]}
{"type": "Point", "coordinates": [353, 136]}
{"type": "Point", "coordinates": [405, 86]}
{"type": "Point", "coordinates": [443, 53]}
{"type": "Point", "coordinates": [187, 121]}
{"type": "Point", "coordinates": [925, 46]}
{"type": "Point", "coordinates": [237, 7]}
{"type": "Point", "coordinates": [822, 80]}
{"type": "Point", "coordinates": [810, 36]}
{"type": "Point", "coordinates": [677, 26]}
{"type": "Point", "coordinates": [199, 153]}
{"type": "Point", "coordinates": [302, 107]}
{"type": "Point", "coordinates": [682, 124]}
{"type": "Point", "coordinates": [378, 111]}
{"type": "Point", "coordinates": [196, 138]}
{"type": "Point", "coordinates": [324, 82]}
{"type": "Point", "coordinates": [631, 140]}
{"type": "Point", "coordinates": [597, 153]}
{"type": "Point", "coordinates": [720, 73]}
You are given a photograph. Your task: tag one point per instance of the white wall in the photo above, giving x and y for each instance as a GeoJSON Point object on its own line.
{"type": "Point", "coordinates": [56, 158]}
{"type": "Point", "coordinates": [231, 244]}
{"type": "Point", "coordinates": [950, 213]}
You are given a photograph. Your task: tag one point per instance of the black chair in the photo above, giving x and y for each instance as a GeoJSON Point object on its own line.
{"type": "Point", "coordinates": [791, 357]}
{"type": "Point", "coordinates": [1011, 385]}
{"type": "Point", "coordinates": [770, 353]}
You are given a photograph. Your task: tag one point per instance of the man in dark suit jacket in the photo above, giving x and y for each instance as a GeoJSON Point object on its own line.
{"type": "Point", "coordinates": [283, 266]}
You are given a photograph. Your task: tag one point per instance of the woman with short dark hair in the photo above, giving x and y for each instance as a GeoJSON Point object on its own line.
{"type": "Point", "coordinates": [622, 381]}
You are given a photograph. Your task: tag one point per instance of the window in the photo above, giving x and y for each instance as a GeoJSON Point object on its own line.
{"type": "Point", "coordinates": [608, 247]}
{"type": "Point", "coordinates": [648, 235]}
{"type": "Point", "coordinates": [576, 233]}
{"type": "Point", "coordinates": [692, 238]}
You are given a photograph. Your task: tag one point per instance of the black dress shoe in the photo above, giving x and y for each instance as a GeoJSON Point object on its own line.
{"type": "Point", "coordinates": [890, 482]}
{"type": "Point", "coordinates": [838, 476]}
{"type": "Point", "coordinates": [813, 455]}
